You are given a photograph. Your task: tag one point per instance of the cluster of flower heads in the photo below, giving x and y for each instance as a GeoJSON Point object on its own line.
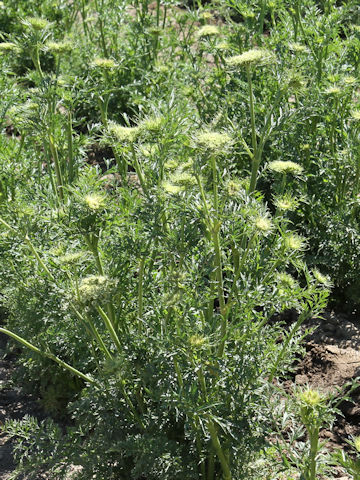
{"type": "Point", "coordinates": [215, 142]}
{"type": "Point", "coordinates": [96, 290]}
{"type": "Point", "coordinates": [197, 342]}
{"type": "Point", "coordinates": [263, 224]}
{"type": "Point", "coordinates": [310, 397]}
{"type": "Point", "coordinates": [95, 202]}
{"type": "Point", "coordinates": [36, 23]}
{"type": "Point", "coordinates": [72, 258]}
{"type": "Point", "coordinates": [256, 56]}
{"type": "Point", "coordinates": [104, 63]}
{"type": "Point", "coordinates": [321, 278]}
{"type": "Point", "coordinates": [8, 47]}
{"type": "Point", "coordinates": [295, 242]}
{"type": "Point", "coordinates": [355, 115]}
{"type": "Point", "coordinates": [286, 202]}
{"type": "Point", "coordinates": [208, 31]}
{"type": "Point", "coordinates": [123, 134]}
{"type": "Point", "coordinates": [126, 135]}
{"type": "Point", "coordinates": [285, 281]}
{"type": "Point", "coordinates": [60, 48]}
{"type": "Point", "coordinates": [281, 166]}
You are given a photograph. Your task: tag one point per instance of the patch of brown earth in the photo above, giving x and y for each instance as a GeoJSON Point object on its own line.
{"type": "Point", "coordinates": [332, 361]}
{"type": "Point", "coordinates": [101, 156]}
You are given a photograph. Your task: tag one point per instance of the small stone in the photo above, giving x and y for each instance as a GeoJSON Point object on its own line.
{"type": "Point", "coordinates": [346, 330]}
{"type": "Point", "coordinates": [301, 379]}
{"type": "Point", "coordinates": [328, 327]}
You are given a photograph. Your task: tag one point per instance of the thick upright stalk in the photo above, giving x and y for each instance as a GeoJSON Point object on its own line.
{"type": "Point", "coordinates": [138, 170]}
{"type": "Point", "coordinates": [255, 159]}
{"type": "Point", "coordinates": [37, 256]}
{"type": "Point", "coordinates": [92, 242]}
{"type": "Point", "coordinates": [214, 232]}
{"type": "Point", "coordinates": [55, 156]}
{"type": "Point", "coordinates": [140, 291]}
{"type": "Point", "coordinates": [252, 109]}
{"type": "Point", "coordinates": [218, 450]}
{"type": "Point", "coordinates": [110, 328]}
{"type": "Point", "coordinates": [70, 149]}
{"type": "Point", "coordinates": [314, 447]}
{"type": "Point", "coordinates": [220, 288]}
{"type": "Point", "coordinates": [83, 17]}
{"type": "Point", "coordinates": [203, 198]}
{"type": "Point", "coordinates": [210, 307]}
{"type": "Point", "coordinates": [211, 465]}
{"type": "Point", "coordinates": [99, 12]}
{"type": "Point", "coordinates": [262, 17]}
{"type": "Point", "coordinates": [102, 36]}
{"type": "Point", "coordinates": [36, 61]}
{"type": "Point", "coordinates": [103, 111]}
{"type": "Point", "coordinates": [215, 185]}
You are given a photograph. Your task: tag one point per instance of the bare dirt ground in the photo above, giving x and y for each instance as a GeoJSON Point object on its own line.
{"type": "Point", "coordinates": [332, 360]}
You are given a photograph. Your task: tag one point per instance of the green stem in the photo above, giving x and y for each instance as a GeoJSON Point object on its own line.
{"type": "Point", "coordinates": [238, 270]}
{"type": "Point", "coordinates": [36, 61]}
{"type": "Point", "coordinates": [357, 175]}
{"type": "Point", "coordinates": [215, 185]}
{"type": "Point", "coordinates": [9, 227]}
{"type": "Point", "coordinates": [314, 447]}
{"type": "Point", "coordinates": [83, 17]}
{"type": "Point", "coordinates": [283, 183]}
{"type": "Point", "coordinates": [121, 164]}
{"type": "Point", "coordinates": [210, 307]}
{"type": "Point", "coordinates": [47, 354]}
{"type": "Point", "coordinates": [40, 261]}
{"type": "Point", "coordinates": [220, 288]}
{"type": "Point", "coordinates": [101, 28]}
{"type": "Point", "coordinates": [255, 161]}
{"type": "Point", "coordinates": [49, 169]}
{"type": "Point", "coordinates": [256, 155]}
{"type": "Point", "coordinates": [110, 328]}
{"type": "Point", "coordinates": [218, 450]}
{"type": "Point", "coordinates": [199, 450]}
{"type": "Point", "coordinates": [55, 156]}
{"type": "Point", "coordinates": [140, 291]}
{"type": "Point", "coordinates": [103, 111]}
{"type": "Point", "coordinates": [102, 35]}
{"type": "Point", "coordinates": [92, 331]}
{"type": "Point", "coordinates": [178, 374]}
{"type": "Point", "coordinates": [262, 17]}
{"type": "Point", "coordinates": [202, 383]}
{"type": "Point", "coordinates": [313, 51]}
{"type": "Point", "coordinates": [70, 149]}
{"type": "Point", "coordinates": [203, 198]}
{"type": "Point", "coordinates": [92, 242]}
{"type": "Point", "coordinates": [138, 170]}
{"type": "Point", "coordinates": [211, 465]}
{"type": "Point", "coordinates": [252, 109]}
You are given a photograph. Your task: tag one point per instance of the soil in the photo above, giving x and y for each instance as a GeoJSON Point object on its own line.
{"type": "Point", "coordinates": [101, 156]}
{"type": "Point", "coordinates": [332, 361]}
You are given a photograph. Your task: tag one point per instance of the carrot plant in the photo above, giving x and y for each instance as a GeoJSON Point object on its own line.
{"type": "Point", "coordinates": [162, 170]}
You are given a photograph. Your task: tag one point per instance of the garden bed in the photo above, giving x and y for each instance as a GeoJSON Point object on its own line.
{"type": "Point", "coordinates": [179, 206]}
